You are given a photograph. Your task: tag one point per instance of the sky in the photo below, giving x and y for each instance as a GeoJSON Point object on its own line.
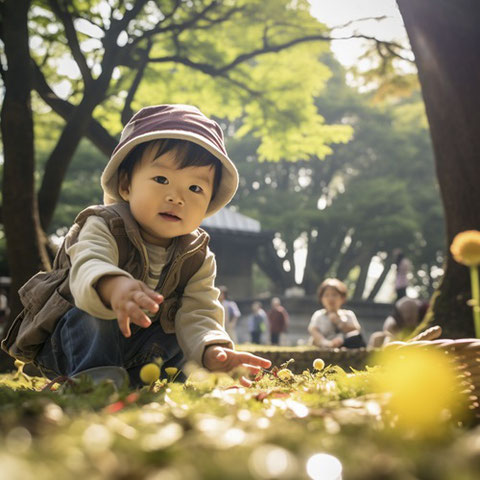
{"type": "Point", "coordinates": [340, 12]}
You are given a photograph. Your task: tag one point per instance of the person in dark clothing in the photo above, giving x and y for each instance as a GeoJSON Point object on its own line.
{"type": "Point", "coordinates": [277, 320]}
{"type": "Point", "coordinates": [257, 323]}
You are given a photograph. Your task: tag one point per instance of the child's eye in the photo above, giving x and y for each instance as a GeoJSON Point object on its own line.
{"type": "Point", "coordinates": [196, 188]}
{"type": "Point", "coordinates": [160, 179]}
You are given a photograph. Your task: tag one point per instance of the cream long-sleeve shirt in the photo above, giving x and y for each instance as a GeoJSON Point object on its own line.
{"type": "Point", "coordinates": [321, 322]}
{"type": "Point", "coordinates": [199, 321]}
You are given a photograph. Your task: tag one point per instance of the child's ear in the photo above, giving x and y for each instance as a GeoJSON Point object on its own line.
{"type": "Point", "coordinates": [124, 185]}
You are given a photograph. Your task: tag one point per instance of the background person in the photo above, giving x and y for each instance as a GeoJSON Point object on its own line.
{"type": "Point", "coordinates": [277, 320]}
{"type": "Point", "coordinates": [257, 323]}
{"type": "Point", "coordinates": [404, 266]}
{"type": "Point", "coordinates": [232, 313]}
{"type": "Point", "coordinates": [333, 326]}
{"type": "Point", "coordinates": [406, 316]}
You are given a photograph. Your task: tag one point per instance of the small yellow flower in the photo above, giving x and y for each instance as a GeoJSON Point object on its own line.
{"type": "Point", "coordinates": [150, 373]}
{"type": "Point", "coordinates": [171, 371]}
{"type": "Point", "coordinates": [465, 248]}
{"type": "Point", "coordinates": [285, 374]}
{"type": "Point", "coordinates": [318, 364]}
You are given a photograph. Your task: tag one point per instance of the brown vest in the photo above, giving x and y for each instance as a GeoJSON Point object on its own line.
{"type": "Point", "coordinates": [46, 297]}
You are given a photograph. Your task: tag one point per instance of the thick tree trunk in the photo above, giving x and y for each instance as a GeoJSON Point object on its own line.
{"type": "Point", "coordinates": [25, 249]}
{"type": "Point", "coordinates": [445, 38]}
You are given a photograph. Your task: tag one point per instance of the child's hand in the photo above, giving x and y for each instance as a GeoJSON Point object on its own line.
{"type": "Point", "coordinates": [336, 342]}
{"type": "Point", "coordinates": [218, 358]}
{"type": "Point", "coordinates": [334, 317]}
{"type": "Point", "coordinates": [128, 298]}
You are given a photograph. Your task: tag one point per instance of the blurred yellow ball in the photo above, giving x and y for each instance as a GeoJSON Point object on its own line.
{"type": "Point", "coordinates": [150, 373]}
{"type": "Point", "coordinates": [424, 388]}
{"type": "Point", "coordinates": [318, 364]}
{"type": "Point", "coordinates": [285, 374]}
{"type": "Point", "coordinates": [465, 248]}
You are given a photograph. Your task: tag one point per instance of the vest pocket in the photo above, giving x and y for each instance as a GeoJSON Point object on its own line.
{"type": "Point", "coordinates": [167, 313]}
{"type": "Point", "coordinates": [44, 306]}
{"type": "Point", "coordinates": [38, 290]}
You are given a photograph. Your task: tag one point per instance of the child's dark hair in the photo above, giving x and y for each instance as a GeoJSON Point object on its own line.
{"type": "Point", "coordinates": [334, 283]}
{"type": "Point", "coordinates": [188, 154]}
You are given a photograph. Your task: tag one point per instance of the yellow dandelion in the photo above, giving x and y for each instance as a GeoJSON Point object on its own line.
{"type": "Point", "coordinates": [318, 364]}
{"type": "Point", "coordinates": [171, 372]}
{"type": "Point", "coordinates": [285, 374]}
{"type": "Point", "coordinates": [465, 248]}
{"type": "Point", "coordinates": [150, 373]}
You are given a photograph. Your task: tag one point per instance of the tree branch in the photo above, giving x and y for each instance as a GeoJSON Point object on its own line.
{"type": "Point", "coordinates": [72, 40]}
{"type": "Point", "coordinates": [95, 132]}
{"type": "Point", "coordinates": [189, 24]}
{"type": "Point", "coordinates": [207, 69]}
{"type": "Point", "coordinates": [127, 111]}
{"type": "Point", "coordinates": [351, 22]}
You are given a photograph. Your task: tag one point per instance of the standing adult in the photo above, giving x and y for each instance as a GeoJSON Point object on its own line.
{"type": "Point", "coordinates": [278, 320]}
{"type": "Point", "coordinates": [232, 313]}
{"type": "Point", "coordinates": [257, 322]}
{"type": "Point", "coordinates": [404, 267]}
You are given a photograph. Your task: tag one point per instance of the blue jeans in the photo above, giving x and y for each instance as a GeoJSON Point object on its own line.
{"type": "Point", "coordinates": [80, 342]}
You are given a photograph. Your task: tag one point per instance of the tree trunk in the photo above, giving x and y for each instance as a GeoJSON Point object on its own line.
{"type": "Point", "coordinates": [348, 260]}
{"type": "Point", "coordinates": [25, 246]}
{"type": "Point", "coordinates": [98, 135]}
{"type": "Point", "coordinates": [311, 277]}
{"type": "Point", "coordinates": [57, 165]}
{"type": "Point", "coordinates": [271, 264]}
{"type": "Point", "coordinates": [381, 279]}
{"type": "Point", "coordinates": [445, 39]}
{"type": "Point", "coordinates": [364, 264]}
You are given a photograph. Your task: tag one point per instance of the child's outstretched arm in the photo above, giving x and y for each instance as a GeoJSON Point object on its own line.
{"type": "Point", "coordinates": [220, 358]}
{"type": "Point", "coordinates": [128, 298]}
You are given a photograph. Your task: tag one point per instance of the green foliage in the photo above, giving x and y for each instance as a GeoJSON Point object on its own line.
{"type": "Point", "coordinates": [232, 62]}
{"type": "Point", "coordinates": [378, 192]}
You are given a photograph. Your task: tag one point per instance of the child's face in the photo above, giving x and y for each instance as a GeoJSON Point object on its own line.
{"type": "Point", "coordinates": [331, 299]}
{"type": "Point", "coordinates": [165, 201]}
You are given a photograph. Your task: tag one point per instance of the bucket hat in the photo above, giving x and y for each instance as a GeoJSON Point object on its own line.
{"type": "Point", "coordinates": [183, 122]}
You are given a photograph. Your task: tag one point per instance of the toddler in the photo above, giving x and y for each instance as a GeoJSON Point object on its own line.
{"type": "Point", "coordinates": [134, 278]}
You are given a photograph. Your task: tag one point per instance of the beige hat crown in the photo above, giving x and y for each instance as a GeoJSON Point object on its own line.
{"type": "Point", "coordinates": [183, 122]}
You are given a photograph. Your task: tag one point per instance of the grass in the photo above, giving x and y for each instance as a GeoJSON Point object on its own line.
{"type": "Point", "coordinates": [211, 428]}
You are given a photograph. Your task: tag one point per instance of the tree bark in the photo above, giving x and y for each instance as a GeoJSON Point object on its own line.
{"type": "Point", "coordinates": [445, 39]}
{"type": "Point", "coordinates": [25, 245]}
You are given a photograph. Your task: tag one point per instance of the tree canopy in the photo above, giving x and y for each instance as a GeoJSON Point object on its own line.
{"type": "Point", "coordinates": [372, 195]}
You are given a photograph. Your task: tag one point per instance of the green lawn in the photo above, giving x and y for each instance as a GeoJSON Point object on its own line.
{"type": "Point", "coordinates": [210, 428]}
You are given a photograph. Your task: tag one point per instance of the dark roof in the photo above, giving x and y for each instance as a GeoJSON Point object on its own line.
{"type": "Point", "coordinates": [230, 220]}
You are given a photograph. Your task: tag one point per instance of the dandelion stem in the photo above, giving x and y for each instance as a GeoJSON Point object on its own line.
{"type": "Point", "coordinates": [476, 298]}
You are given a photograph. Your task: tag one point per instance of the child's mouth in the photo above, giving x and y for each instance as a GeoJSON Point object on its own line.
{"type": "Point", "coordinates": [170, 217]}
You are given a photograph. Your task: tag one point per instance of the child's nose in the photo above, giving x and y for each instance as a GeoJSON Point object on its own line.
{"type": "Point", "coordinates": [175, 197]}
